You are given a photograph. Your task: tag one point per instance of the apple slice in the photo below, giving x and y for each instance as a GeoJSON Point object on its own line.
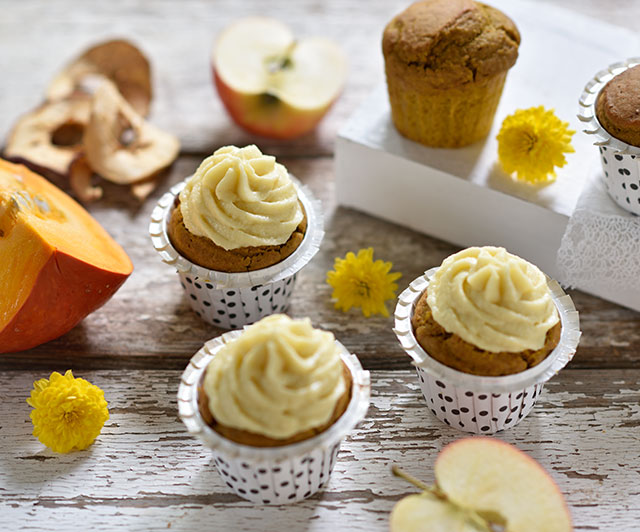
{"type": "Point", "coordinates": [484, 484]}
{"type": "Point", "coordinates": [58, 263]}
{"type": "Point", "coordinates": [494, 477]}
{"type": "Point", "coordinates": [50, 137]}
{"type": "Point", "coordinates": [118, 61]}
{"type": "Point", "coordinates": [120, 145]}
{"type": "Point", "coordinates": [270, 83]}
{"type": "Point", "coordinates": [425, 512]}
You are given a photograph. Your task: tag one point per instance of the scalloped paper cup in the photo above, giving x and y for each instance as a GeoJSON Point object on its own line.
{"type": "Point", "coordinates": [233, 300]}
{"type": "Point", "coordinates": [472, 403]}
{"type": "Point", "coordinates": [620, 161]}
{"type": "Point", "coordinates": [272, 475]}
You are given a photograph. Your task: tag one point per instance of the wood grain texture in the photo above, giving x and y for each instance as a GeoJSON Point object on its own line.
{"type": "Point", "coordinates": [145, 472]}
{"type": "Point", "coordinates": [149, 322]}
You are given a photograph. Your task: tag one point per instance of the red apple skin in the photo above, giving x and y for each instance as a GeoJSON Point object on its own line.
{"type": "Point", "coordinates": [276, 119]}
{"type": "Point", "coordinates": [66, 290]}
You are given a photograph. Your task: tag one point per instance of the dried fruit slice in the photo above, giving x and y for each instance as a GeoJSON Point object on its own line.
{"type": "Point", "coordinates": [58, 263]}
{"type": "Point", "coordinates": [117, 60]}
{"type": "Point", "coordinates": [50, 137]}
{"type": "Point", "coordinates": [120, 145]}
{"type": "Point", "coordinates": [80, 174]}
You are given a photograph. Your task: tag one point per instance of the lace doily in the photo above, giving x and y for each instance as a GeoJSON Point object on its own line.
{"type": "Point", "coordinates": [600, 249]}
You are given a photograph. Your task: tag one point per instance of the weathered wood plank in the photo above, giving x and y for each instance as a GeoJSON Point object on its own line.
{"type": "Point", "coordinates": [38, 37]}
{"type": "Point", "coordinates": [145, 472]}
{"type": "Point", "coordinates": [149, 323]}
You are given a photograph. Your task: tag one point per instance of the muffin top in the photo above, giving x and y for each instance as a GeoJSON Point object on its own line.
{"type": "Point", "coordinates": [453, 41]}
{"type": "Point", "coordinates": [493, 300]}
{"type": "Point", "coordinates": [280, 377]}
{"type": "Point", "coordinates": [239, 197]}
{"type": "Point", "coordinates": [618, 106]}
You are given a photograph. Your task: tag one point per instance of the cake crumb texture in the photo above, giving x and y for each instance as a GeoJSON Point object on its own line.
{"type": "Point", "coordinates": [204, 252]}
{"type": "Point", "coordinates": [451, 350]}
{"type": "Point", "coordinates": [618, 106]}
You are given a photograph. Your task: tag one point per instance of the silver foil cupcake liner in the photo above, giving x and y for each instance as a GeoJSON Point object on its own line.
{"type": "Point", "coordinates": [272, 475]}
{"type": "Point", "coordinates": [232, 300]}
{"type": "Point", "coordinates": [472, 403]}
{"type": "Point", "coordinates": [620, 161]}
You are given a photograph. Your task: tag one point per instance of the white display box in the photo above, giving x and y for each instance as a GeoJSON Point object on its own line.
{"type": "Point", "coordinates": [462, 195]}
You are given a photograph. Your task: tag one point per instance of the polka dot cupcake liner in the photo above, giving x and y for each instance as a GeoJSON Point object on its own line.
{"type": "Point", "coordinates": [234, 308]}
{"type": "Point", "coordinates": [622, 178]}
{"type": "Point", "coordinates": [472, 403]}
{"type": "Point", "coordinates": [272, 475]}
{"type": "Point", "coordinates": [232, 300]}
{"type": "Point", "coordinates": [620, 161]}
{"type": "Point", "coordinates": [283, 482]}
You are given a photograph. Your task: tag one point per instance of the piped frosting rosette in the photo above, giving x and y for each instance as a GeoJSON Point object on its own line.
{"type": "Point", "coordinates": [493, 300]}
{"type": "Point", "coordinates": [240, 197]}
{"type": "Point", "coordinates": [473, 291]}
{"type": "Point", "coordinates": [280, 378]}
{"type": "Point", "coordinates": [293, 472]}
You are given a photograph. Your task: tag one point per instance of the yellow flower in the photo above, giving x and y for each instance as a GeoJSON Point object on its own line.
{"type": "Point", "coordinates": [358, 281]}
{"type": "Point", "coordinates": [68, 413]}
{"type": "Point", "coordinates": [532, 142]}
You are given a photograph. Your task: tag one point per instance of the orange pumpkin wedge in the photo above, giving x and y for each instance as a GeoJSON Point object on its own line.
{"type": "Point", "coordinates": [57, 263]}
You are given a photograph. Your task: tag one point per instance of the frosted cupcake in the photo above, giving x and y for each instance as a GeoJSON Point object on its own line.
{"type": "Point", "coordinates": [487, 312]}
{"type": "Point", "coordinates": [237, 231]}
{"type": "Point", "coordinates": [486, 330]}
{"type": "Point", "coordinates": [238, 212]}
{"type": "Point", "coordinates": [274, 402]}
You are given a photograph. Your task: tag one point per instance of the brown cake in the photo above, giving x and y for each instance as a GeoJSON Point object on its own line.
{"type": "Point", "coordinates": [618, 106]}
{"type": "Point", "coordinates": [258, 440]}
{"type": "Point", "coordinates": [487, 312]}
{"type": "Point", "coordinates": [239, 212]}
{"type": "Point", "coordinates": [446, 62]}
{"type": "Point", "coordinates": [451, 350]}
{"type": "Point", "coordinates": [204, 252]}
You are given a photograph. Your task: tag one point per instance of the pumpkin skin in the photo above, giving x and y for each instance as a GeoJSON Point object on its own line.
{"type": "Point", "coordinates": [57, 264]}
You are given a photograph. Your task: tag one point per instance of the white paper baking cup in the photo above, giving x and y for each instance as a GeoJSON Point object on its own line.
{"type": "Point", "coordinates": [620, 161]}
{"type": "Point", "coordinates": [272, 475]}
{"type": "Point", "coordinates": [472, 403]}
{"type": "Point", "coordinates": [232, 300]}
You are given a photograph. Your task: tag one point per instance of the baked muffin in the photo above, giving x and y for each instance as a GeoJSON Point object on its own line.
{"type": "Point", "coordinates": [446, 62]}
{"type": "Point", "coordinates": [280, 382]}
{"type": "Point", "coordinates": [487, 312]}
{"type": "Point", "coordinates": [239, 212]}
{"type": "Point", "coordinates": [618, 106]}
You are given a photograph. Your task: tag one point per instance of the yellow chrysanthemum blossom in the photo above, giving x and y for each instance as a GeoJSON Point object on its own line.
{"type": "Point", "coordinates": [68, 413]}
{"type": "Point", "coordinates": [532, 142]}
{"type": "Point", "coordinates": [358, 281]}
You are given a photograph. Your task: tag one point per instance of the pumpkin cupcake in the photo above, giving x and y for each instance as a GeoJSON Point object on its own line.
{"type": "Point", "coordinates": [238, 231]}
{"type": "Point", "coordinates": [273, 402]}
{"type": "Point", "coordinates": [446, 62]}
{"type": "Point", "coordinates": [486, 330]}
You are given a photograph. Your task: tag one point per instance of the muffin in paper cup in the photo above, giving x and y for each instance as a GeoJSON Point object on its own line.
{"type": "Point", "coordinates": [272, 475]}
{"type": "Point", "coordinates": [232, 300]}
{"type": "Point", "coordinates": [620, 160]}
{"type": "Point", "coordinates": [472, 403]}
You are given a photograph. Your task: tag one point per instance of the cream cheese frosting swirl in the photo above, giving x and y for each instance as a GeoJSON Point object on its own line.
{"type": "Point", "coordinates": [493, 300]}
{"type": "Point", "coordinates": [239, 197]}
{"type": "Point", "coordinates": [280, 377]}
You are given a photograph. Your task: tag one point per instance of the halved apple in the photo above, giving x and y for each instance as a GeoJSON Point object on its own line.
{"type": "Point", "coordinates": [270, 83]}
{"type": "Point", "coordinates": [58, 263]}
{"type": "Point", "coordinates": [482, 483]}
